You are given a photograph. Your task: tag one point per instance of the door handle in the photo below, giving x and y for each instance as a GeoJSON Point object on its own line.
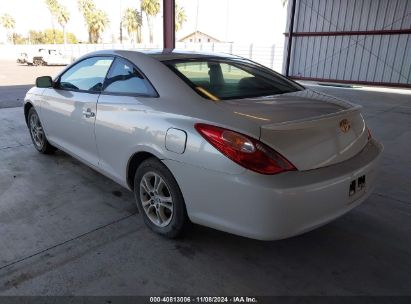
{"type": "Point", "coordinates": [88, 113]}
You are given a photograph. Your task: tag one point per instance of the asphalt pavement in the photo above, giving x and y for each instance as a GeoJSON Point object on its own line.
{"type": "Point", "coordinates": [16, 79]}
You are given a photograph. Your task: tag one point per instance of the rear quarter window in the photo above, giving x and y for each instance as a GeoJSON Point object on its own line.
{"type": "Point", "coordinates": [125, 78]}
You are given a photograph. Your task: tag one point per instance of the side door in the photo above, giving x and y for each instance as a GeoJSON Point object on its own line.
{"type": "Point", "coordinates": [69, 108]}
{"type": "Point", "coordinates": [122, 121]}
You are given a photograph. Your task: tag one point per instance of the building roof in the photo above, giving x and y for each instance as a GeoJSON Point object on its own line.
{"type": "Point", "coordinates": [198, 32]}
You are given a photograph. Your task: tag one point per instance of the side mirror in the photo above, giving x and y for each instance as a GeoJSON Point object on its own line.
{"type": "Point", "coordinates": [44, 82]}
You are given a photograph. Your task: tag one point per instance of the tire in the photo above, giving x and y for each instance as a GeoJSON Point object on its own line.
{"type": "Point", "coordinates": [38, 137]}
{"type": "Point", "coordinates": [159, 199]}
{"type": "Point", "coordinates": [37, 61]}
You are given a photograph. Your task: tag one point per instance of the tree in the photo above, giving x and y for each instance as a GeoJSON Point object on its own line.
{"type": "Point", "coordinates": [180, 17]}
{"type": "Point", "coordinates": [96, 19]}
{"type": "Point", "coordinates": [99, 22]}
{"type": "Point", "coordinates": [19, 39]}
{"type": "Point", "coordinates": [36, 37]}
{"type": "Point", "coordinates": [133, 22]}
{"type": "Point", "coordinates": [151, 8]}
{"type": "Point", "coordinates": [60, 13]}
{"type": "Point", "coordinates": [63, 17]}
{"type": "Point", "coordinates": [87, 7]}
{"type": "Point", "coordinates": [8, 22]}
{"type": "Point", "coordinates": [48, 36]}
{"type": "Point", "coordinates": [52, 5]}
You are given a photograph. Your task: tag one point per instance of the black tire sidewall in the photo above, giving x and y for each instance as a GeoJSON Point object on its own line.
{"type": "Point", "coordinates": [179, 221]}
{"type": "Point", "coordinates": [41, 149]}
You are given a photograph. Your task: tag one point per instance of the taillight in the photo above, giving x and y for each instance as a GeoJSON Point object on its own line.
{"type": "Point", "coordinates": [246, 151]}
{"type": "Point", "coordinates": [369, 133]}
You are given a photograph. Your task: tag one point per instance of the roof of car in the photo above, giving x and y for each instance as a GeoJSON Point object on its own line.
{"type": "Point", "coordinates": [159, 54]}
{"type": "Point", "coordinates": [172, 54]}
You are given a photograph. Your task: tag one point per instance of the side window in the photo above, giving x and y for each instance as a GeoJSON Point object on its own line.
{"type": "Point", "coordinates": [125, 78]}
{"type": "Point", "coordinates": [86, 75]}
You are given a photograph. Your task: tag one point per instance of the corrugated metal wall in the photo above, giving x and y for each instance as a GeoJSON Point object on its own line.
{"type": "Point", "coordinates": [358, 41]}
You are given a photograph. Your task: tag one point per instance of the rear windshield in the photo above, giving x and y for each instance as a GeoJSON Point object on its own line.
{"type": "Point", "coordinates": [231, 78]}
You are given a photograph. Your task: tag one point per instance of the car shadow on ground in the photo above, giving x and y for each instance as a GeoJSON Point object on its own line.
{"type": "Point", "coordinates": [12, 96]}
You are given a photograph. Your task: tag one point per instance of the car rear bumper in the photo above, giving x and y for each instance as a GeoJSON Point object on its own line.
{"type": "Point", "coordinates": [279, 206]}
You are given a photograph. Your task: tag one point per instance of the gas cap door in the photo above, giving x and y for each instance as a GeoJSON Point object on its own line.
{"type": "Point", "coordinates": [176, 140]}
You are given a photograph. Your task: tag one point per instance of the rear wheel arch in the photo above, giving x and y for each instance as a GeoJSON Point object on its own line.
{"type": "Point", "coordinates": [134, 162]}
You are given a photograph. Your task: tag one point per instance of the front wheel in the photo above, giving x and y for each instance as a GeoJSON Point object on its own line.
{"type": "Point", "coordinates": [159, 199]}
{"type": "Point", "coordinates": [37, 134]}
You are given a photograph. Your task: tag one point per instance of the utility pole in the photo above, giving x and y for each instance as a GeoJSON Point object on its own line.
{"type": "Point", "coordinates": [121, 23]}
{"type": "Point", "coordinates": [227, 20]}
{"type": "Point", "coordinates": [121, 32]}
{"type": "Point", "coordinates": [198, 6]}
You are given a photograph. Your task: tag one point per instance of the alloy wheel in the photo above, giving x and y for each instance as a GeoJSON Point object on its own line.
{"type": "Point", "coordinates": [36, 131]}
{"type": "Point", "coordinates": [156, 199]}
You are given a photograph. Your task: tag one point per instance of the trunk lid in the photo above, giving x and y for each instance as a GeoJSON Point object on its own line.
{"type": "Point", "coordinates": [310, 129]}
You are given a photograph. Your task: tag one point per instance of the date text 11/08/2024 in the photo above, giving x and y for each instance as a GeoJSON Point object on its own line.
{"type": "Point", "coordinates": [209, 299]}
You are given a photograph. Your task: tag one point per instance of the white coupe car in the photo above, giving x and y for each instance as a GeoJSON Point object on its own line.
{"type": "Point", "coordinates": [216, 140]}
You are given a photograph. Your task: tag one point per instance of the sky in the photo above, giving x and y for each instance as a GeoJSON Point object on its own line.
{"type": "Point", "coordinates": [238, 21]}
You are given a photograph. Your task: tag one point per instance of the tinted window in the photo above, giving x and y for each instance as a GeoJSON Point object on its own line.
{"type": "Point", "coordinates": [231, 78]}
{"type": "Point", "coordinates": [86, 75]}
{"type": "Point", "coordinates": [125, 78]}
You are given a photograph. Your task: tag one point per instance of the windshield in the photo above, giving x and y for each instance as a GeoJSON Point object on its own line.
{"type": "Point", "coordinates": [216, 78]}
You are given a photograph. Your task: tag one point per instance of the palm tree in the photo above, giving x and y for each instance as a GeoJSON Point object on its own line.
{"type": "Point", "coordinates": [132, 21]}
{"type": "Point", "coordinates": [151, 8]}
{"type": "Point", "coordinates": [63, 17]}
{"type": "Point", "coordinates": [96, 19]}
{"type": "Point", "coordinates": [8, 22]}
{"type": "Point", "coordinates": [60, 13]}
{"type": "Point", "coordinates": [98, 23]}
{"type": "Point", "coordinates": [180, 17]}
{"type": "Point", "coordinates": [52, 5]}
{"type": "Point", "coordinates": [87, 7]}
